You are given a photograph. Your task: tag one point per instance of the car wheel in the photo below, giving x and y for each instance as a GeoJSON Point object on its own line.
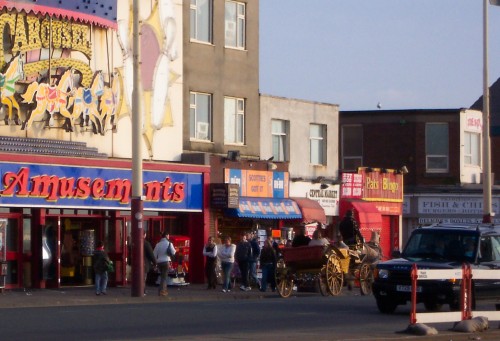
{"type": "Point", "coordinates": [386, 305]}
{"type": "Point", "coordinates": [432, 306]}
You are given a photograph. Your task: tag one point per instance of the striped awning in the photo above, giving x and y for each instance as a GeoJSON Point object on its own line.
{"type": "Point", "coordinates": [265, 208]}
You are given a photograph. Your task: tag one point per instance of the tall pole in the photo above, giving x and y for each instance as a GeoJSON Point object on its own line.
{"type": "Point", "coordinates": [137, 204]}
{"type": "Point", "coordinates": [487, 211]}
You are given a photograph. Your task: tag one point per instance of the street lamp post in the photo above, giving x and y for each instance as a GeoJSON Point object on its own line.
{"type": "Point", "coordinates": [137, 233]}
{"type": "Point", "coordinates": [487, 207]}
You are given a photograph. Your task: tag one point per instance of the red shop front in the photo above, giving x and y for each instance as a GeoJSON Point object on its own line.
{"type": "Point", "coordinates": [57, 208]}
{"type": "Point", "coordinates": [376, 197]}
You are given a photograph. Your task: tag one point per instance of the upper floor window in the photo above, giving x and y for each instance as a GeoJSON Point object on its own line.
{"type": "Point", "coordinates": [234, 120]}
{"type": "Point", "coordinates": [200, 116]}
{"type": "Point", "coordinates": [352, 147]}
{"type": "Point", "coordinates": [436, 147]}
{"type": "Point", "coordinates": [317, 144]}
{"type": "Point", "coordinates": [201, 20]}
{"type": "Point", "coordinates": [235, 24]}
{"type": "Point", "coordinates": [280, 139]}
{"type": "Point", "coordinates": [472, 149]}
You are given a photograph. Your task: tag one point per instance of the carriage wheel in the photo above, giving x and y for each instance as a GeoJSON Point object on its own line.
{"type": "Point", "coordinates": [334, 276]}
{"type": "Point", "coordinates": [323, 287]}
{"type": "Point", "coordinates": [284, 284]}
{"type": "Point", "coordinates": [365, 279]}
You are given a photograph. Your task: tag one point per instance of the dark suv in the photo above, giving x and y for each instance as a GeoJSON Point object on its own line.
{"type": "Point", "coordinates": [440, 246]}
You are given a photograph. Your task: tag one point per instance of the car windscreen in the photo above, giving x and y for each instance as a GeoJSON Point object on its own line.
{"type": "Point", "coordinates": [439, 245]}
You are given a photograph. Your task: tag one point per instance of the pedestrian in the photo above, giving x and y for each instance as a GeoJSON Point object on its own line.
{"type": "Point", "coordinates": [268, 259]}
{"type": "Point", "coordinates": [318, 239]}
{"type": "Point", "coordinates": [100, 260]}
{"type": "Point", "coordinates": [242, 256]}
{"type": "Point", "coordinates": [349, 230]}
{"type": "Point", "coordinates": [210, 253]}
{"type": "Point", "coordinates": [254, 258]}
{"type": "Point", "coordinates": [300, 239]}
{"type": "Point", "coordinates": [226, 256]}
{"type": "Point", "coordinates": [162, 252]}
{"type": "Point", "coordinates": [149, 261]}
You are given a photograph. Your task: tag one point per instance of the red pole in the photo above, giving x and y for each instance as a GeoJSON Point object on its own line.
{"type": "Point", "coordinates": [468, 280]}
{"type": "Point", "coordinates": [413, 312]}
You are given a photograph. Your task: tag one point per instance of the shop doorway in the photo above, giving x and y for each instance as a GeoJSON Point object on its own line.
{"type": "Point", "coordinates": [69, 243]}
{"type": "Point", "coordinates": [13, 250]}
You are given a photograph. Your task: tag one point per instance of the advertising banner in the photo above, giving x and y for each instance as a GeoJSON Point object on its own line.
{"type": "Point", "coordinates": [32, 185]}
{"type": "Point", "coordinates": [258, 184]}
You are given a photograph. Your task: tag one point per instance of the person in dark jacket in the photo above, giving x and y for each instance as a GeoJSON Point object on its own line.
{"type": "Point", "coordinates": [300, 238]}
{"type": "Point", "coordinates": [100, 260]}
{"type": "Point", "coordinates": [210, 253]}
{"type": "Point", "coordinates": [349, 230]}
{"type": "Point", "coordinates": [268, 261]}
{"type": "Point", "coordinates": [242, 255]}
{"type": "Point", "coordinates": [149, 260]}
{"type": "Point", "coordinates": [254, 258]}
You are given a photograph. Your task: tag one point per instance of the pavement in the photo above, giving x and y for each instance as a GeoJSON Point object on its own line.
{"type": "Point", "coordinates": [70, 296]}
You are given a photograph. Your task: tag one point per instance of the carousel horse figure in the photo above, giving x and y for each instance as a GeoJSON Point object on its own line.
{"type": "Point", "coordinates": [110, 102]}
{"type": "Point", "coordinates": [86, 103]}
{"type": "Point", "coordinates": [8, 86]}
{"type": "Point", "coordinates": [50, 98]}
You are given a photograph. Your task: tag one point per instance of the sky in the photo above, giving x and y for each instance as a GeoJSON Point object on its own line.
{"type": "Point", "coordinates": [403, 54]}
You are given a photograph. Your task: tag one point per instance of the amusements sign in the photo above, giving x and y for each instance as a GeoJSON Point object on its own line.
{"type": "Point", "coordinates": [36, 185]}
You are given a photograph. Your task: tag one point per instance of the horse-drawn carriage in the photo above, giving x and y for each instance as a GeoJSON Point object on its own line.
{"type": "Point", "coordinates": [328, 266]}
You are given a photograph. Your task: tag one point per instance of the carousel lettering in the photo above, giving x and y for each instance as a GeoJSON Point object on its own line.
{"type": "Point", "coordinates": [52, 188]}
{"type": "Point", "coordinates": [31, 33]}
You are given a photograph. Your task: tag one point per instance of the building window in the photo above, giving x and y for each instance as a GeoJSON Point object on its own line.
{"type": "Point", "coordinates": [352, 147]}
{"type": "Point", "coordinates": [280, 139]}
{"type": "Point", "coordinates": [234, 120]}
{"type": "Point", "coordinates": [436, 147]}
{"type": "Point", "coordinates": [472, 150]}
{"type": "Point", "coordinates": [235, 24]}
{"type": "Point", "coordinates": [317, 143]}
{"type": "Point", "coordinates": [201, 20]}
{"type": "Point", "coordinates": [200, 116]}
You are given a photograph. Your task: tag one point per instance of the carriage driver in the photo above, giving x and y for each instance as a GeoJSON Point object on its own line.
{"type": "Point", "coordinates": [349, 230]}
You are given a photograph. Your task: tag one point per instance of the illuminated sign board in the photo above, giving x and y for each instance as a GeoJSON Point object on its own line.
{"type": "Point", "coordinates": [31, 185]}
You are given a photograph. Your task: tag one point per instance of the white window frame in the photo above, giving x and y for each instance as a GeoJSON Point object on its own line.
{"type": "Point", "coordinates": [199, 129]}
{"type": "Point", "coordinates": [235, 27]}
{"type": "Point", "coordinates": [318, 142]}
{"type": "Point", "coordinates": [472, 157]}
{"type": "Point", "coordinates": [280, 140]}
{"type": "Point", "coordinates": [351, 158]}
{"type": "Point", "coordinates": [234, 120]}
{"type": "Point", "coordinates": [196, 13]}
{"type": "Point", "coordinates": [444, 143]}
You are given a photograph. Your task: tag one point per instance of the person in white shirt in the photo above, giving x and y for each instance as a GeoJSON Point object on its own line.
{"type": "Point", "coordinates": [318, 239]}
{"type": "Point", "coordinates": [163, 251]}
{"type": "Point", "coordinates": [226, 256]}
